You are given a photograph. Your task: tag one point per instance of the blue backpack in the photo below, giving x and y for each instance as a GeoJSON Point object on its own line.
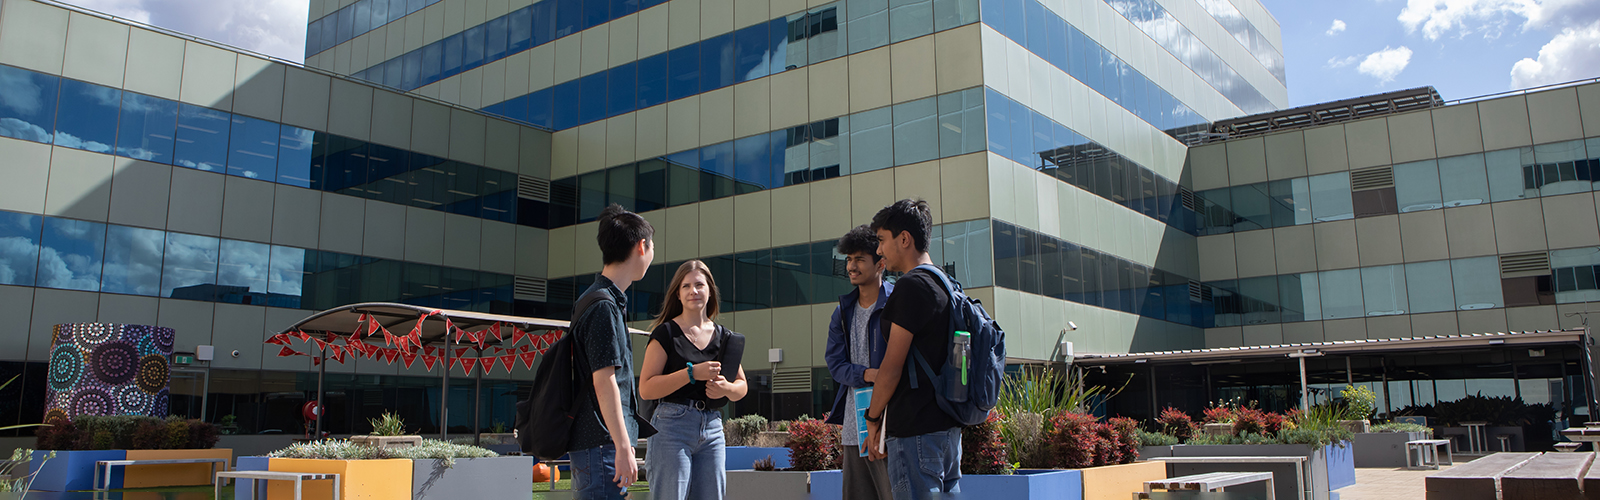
{"type": "Point", "coordinates": [966, 393]}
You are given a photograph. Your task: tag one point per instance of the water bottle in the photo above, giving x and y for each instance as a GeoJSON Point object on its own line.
{"type": "Point", "coordinates": [961, 354]}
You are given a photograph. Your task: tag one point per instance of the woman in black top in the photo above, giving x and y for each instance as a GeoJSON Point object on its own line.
{"type": "Point", "coordinates": [683, 368]}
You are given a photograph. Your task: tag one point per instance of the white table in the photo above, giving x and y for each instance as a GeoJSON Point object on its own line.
{"type": "Point", "coordinates": [108, 464]}
{"type": "Point", "coordinates": [1213, 481]}
{"type": "Point", "coordinates": [1428, 453]}
{"type": "Point", "coordinates": [1302, 472]}
{"type": "Point", "coordinates": [257, 476]}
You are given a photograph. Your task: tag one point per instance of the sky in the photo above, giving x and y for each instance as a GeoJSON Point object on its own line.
{"type": "Point", "coordinates": [1334, 49]}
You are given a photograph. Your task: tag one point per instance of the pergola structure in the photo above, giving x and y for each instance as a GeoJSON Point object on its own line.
{"type": "Point", "coordinates": [432, 335]}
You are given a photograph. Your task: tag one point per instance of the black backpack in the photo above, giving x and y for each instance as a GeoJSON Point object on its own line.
{"type": "Point", "coordinates": [563, 389]}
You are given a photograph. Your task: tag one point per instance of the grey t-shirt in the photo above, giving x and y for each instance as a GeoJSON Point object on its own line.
{"type": "Point", "coordinates": [860, 354]}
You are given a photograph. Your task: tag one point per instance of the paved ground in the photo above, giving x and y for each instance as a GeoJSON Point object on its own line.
{"type": "Point", "coordinates": [1386, 484]}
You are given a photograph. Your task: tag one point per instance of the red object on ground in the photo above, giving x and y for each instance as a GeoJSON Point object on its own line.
{"type": "Point", "coordinates": [541, 473]}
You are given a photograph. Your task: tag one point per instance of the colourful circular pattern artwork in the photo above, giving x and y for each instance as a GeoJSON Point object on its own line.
{"type": "Point", "coordinates": [108, 369]}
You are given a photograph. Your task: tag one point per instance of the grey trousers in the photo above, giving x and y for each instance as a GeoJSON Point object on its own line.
{"type": "Point", "coordinates": [865, 480]}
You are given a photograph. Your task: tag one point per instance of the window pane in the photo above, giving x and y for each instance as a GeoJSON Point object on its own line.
{"type": "Point", "coordinates": [1006, 254]}
{"type": "Point", "coordinates": [825, 35]}
{"type": "Point", "coordinates": [999, 125]}
{"type": "Point", "coordinates": [652, 87]}
{"type": "Point", "coordinates": [1251, 207]}
{"type": "Point", "coordinates": [1416, 186]}
{"type": "Point", "coordinates": [869, 24]}
{"type": "Point", "coordinates": [254, 148]}
{"type": "Point", "coordinates": [1464, 180]}
{"type": "Point", "coordinates": [621, 84]}
{"type": "Point", "coordinates": [72, 254]}
{"type": "Point", "coordinates": [87, 118]}
{"type": "Point", "coordinates": [345, 166]}
{"type": "Point", "coordinates": [916, 131]}
{"type": "Point", "coordinates": [473, 46]}
{"type": "Point", "coordinates": [716, 166]}
{"type": "Point", "coordinates": [145, 128]}
{"type": "Point", "coordinates": [872, 127]}
{"type": "Point", "coordinates": [1562, 156]}
{"type": "Point", "coordinates": [494, 39]}
{"type": "Point", "coordinates": [295, 152]}
{"type": "Point", "coordinates": [683, 178]}
{"type": "Point", "coordinates": [593, 94]}
{"type": "Point", "coordinates": [1477, 283]}
{"type": "Point", "coordinates": [202, 138]}
{"type": "Point", "coordinates": [753, 163]}
{"type": "Point", "coordinates": [1506, 177]}
{"type": "Point", "coordinates": [1258, 299]}
{"type": "Point", "coordinates": [19, 247]}
{"type": "Point", "coordinates": [1050, 268]}
{"type": "Point", "coordinates": [754, 276]}
{"type": "Point", "coordinates": [242, 272]}
{"type": "Point", "coordinates": [519, 30]}
{"type": "Point", "coordinates": [1384, 290]}
{"type": "Point", "coordinates": [620, 186]}
{"type": "Point", "coordinates": [1428, 286]}
{"type": "Point", "coordinates": [909, 19]}
{"type": "Point", "coordinates": [286, 278]}
{"type": "Point", "coordinates": [1291, 202]}
{"type": "Point", "coordinates": [1341, 294]}
{"type": "Point", "coordinates": [190, 269]}
{"type": "Point", "coordinates": [651, 186]}
{"type": "Point", "coordinates": [683, 63]}
{"type": "Point", "coordinates": [1028, 275]}
{"type": "Point", "coordinates": [951, 13]}
{"type": "Point", "coordinates": [830, 145]}
{"type": "Point", "coordinates": [791, 275]}
{"type": "Point", "coordinates": [566, 106]}
{"type": "Point", "coordinates": [717, 68]}
{"type": "Point", "coordinates": [133, 261]}
{"type": "Point", "coordinates": [1330, 197]}
{"type": "Point", "coordinates": [751, 53]}
{"type": "Point", "coordinates": [961, 119]}
{"type": "Point", "coordinates": [1301, 297]}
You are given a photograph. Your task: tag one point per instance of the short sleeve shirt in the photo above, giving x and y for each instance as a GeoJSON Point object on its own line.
{"type": "Point", "coordinates": [920, 305]}
{"type": "Point", "coordinates": [602, 337]}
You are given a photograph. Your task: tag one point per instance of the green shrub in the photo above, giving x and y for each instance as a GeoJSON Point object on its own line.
{"type": "Point", "coordinates": [745, 429]}
{"type": "Point", "coordinates": [333, 449]}
{"type": "Point", "coordinates": [128, 432]}
{"type": "Point", "coordinates": [1358, 402]}
{"type": "Point", "coordinates": [1156, 439]}
{"type": "Point", "coordinates": [388, 425]}
{"type": "Point", "coordinates": [1402, 427]}
{"type": "Point", "coordinates": [1024, 436]}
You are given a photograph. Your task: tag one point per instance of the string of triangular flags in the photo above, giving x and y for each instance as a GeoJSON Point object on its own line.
{"type": "Point", "coordinates": [408, 348]}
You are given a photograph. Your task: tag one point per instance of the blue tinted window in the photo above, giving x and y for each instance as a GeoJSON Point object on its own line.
{"type": "Point", "coordinates": [540, 111]}
{"type": "Point", "coordinates": [621, 8]}
{"type": "Point", "coordinates": [999, 126]}
{"type": "Point", "coordinates": [190, 269]}
{"type": "Point", "coordinates": [346, 19]}
{"type": "Point", "coordinates": [28, 109]}
{"type": "Point", "coordinates": [566, 106]}
{"type": "Point", "coordinates": [778, 144]}
{"type": "Point", "coordinates": [591, 195]}
{"type": "Point", "coordinates": [753, 163]}
{"type": "Point", "coordinates": [1015, 25]}
{"type": "Point", "coordinates": [993, 13]}
{"type": "Point", "coordinates": [1036, 13]}
{"type": "Point", "coordinates": [397, 9]}
{"type": "Point", "coordinates": [716, 63]}
{"type": "Point", "coordinates": [386, 168]}
{"type": "Point", "coordinates": [1021, 133]}
{"type": "Point", "coordinates": [778, 45]}
{"type": "Point", "coordinates": [684, 65]}
{"type": "Point", "coordinates": [295, 149]}
{"type": "Point", "coordinates": [544, 22]}
{"type": "Point", "coordinates": [473, 47]}
{"type": "Point", "coordinates": [1080, 49]}
{"type": "Point", "coordinates": [717, 167]}
{"type": "Point", "coordinates": [593, 106]}
{"type": "Point", "coordinates": [750, 53]}
{"type": "Point", "coordinates": [596, 12]}
{"type": "Point", "coordinates": [314, 38]}
{"type": "Point", "coordinates": [435, 65]}
{"type": "Point", "coordinates": [650, 3]}
{"type": "Point", "coordinates": [380, 12]}
{"type": "Point", "coordinates": [72, 254]}
{"type": "Point", "coordinates": [253, 148]}
{"type": "Point", "coordinates": [683, 177]}
{"type": "Point", "coordinates": [286, 273]}
{"type": "Point", "coordinates": [133, 260]}
{"type": "Point", "coordinates": [145, 128]}
{"type": "Point", "coordinates": [202, 138]}
{"type": "Point", "coordinates": [453, 50]}
{"type": "Point", "coordinates": [411, 72]}
{"type": "Point", "coordinates": [1043, 138]}
{"type": "Point", "coordinates": [495, 38]}
{"type": "Point", "coordinates": [87, 117]}
{"type": "Point", "coordinates": [621, 83]}
{"type": "Point", "coordinates": [652, 81]}
{"type": "Point", "coordinates": [346, 164]}
{"type": "Point", "coordinates": [650, 185]}
{"type": "Point", "coordinates": [1056, 40]}
{"type": "Point", "coordinates": [519, 30]}
{"type": "Point", "coordinates": [363, 18]}
{"type": "Point", "coordinates": [569, 15]}
{"type": "Point", "coordinates": [330, 27]}
{"type": "Point", "coordinates": [19, 247]}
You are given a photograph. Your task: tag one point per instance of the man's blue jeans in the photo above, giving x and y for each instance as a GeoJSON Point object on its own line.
{"type": "Point", "coordinates": [929, 463]}
{"type": "Point", "coordinates": [593, 474]}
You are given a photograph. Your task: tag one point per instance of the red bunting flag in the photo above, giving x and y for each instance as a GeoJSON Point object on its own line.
{"type": "Point", "coordinates": [408, 358]}
{"type": "Point", "coordinates": [429, 361]}
{"type": "Point", "coordinates": [461, 352]}
{"type": "Point", "coordinates": [316, 361]}
{"type": "Point", "coordinates": [372, 326]}
{"type": "Point", "coordinates": [454, 362]}
{"type": "Point", "coordinates": [330, 336]}
{"type": "Point", "coordinates": [302, 335]}
{"type": "Point", "coordinates": [321, 344]}
{"type": "Point", "coordinates": [388, 338]}
{"type": "Point", "coordinates": [517, 334]}
{"type": "Point", "coordinates": [415, 338]}
{"type": "Point", "coordinates": [278, 339]}
{"type": "Point", "coordinates": [285, 352]}
{"type": "Point", "coordinates": [526, 348]}
{"type": "Point", "coordinates": [338, 353]}
{"type": "Point", "coordinates": [488, 365]}
{"type": "Point", "coordinates": [495, 330]}
{"type": "Point", "coordinates": [508, 361]}
{"type": "Point", "coordinates": [390, 354]}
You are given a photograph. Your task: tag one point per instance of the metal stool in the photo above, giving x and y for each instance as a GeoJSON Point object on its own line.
{"type": "Point", "coordinates": [1505, 441]}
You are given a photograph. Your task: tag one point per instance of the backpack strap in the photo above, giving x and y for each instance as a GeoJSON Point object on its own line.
{"type": "Point", "coordinates": [950, 291]}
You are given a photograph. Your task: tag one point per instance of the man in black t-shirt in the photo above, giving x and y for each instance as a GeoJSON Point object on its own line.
{"type": "Point", "coordinates": [923, 443]}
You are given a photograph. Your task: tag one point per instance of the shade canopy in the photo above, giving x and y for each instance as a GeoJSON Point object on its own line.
{"type": "Point", "coordinates": [403, 318]}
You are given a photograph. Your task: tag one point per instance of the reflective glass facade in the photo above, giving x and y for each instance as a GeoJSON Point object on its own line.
{"type": "Point", "coordinates": [1161, 26]}
{"type": "Point", "coordinates": [1028, 261]}
{"type": "Point", "coordinates": [355, 20]}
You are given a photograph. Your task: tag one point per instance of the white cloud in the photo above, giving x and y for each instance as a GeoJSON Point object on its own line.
{"type": "Point", "coordinates": [1437, 18]}
{"type": "Point", "coordinates": [1340, 62]}
{"type": "Point", "coordinates": [1337, 27]}
{"type": "Point", "coordinates": [1571, 55]}
{"type": "Point", "coordinates": [1385, 64]}
{"type": "Point", "coordinates": [272, 27]}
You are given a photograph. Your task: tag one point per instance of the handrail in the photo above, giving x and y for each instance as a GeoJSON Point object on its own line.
{"type": "Point", "coordinates": [1507, 93]}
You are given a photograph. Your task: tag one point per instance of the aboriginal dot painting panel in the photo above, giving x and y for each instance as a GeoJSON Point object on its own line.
{"type": "Point", "coordinates": [108, 369]}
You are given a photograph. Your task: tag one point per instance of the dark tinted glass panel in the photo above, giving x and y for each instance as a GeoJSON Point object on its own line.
{"type": "Point", "coordinates": [495, 38]}
{"type": "Point", "coordinates": [593, 95]}
{"type": "Point", "coordinates": [441, 59]}
{"type": "Point", "coordinates": [621, 84]}
{"type": "Point", "coordinates": [684, 66]}
{"type": "Point", "coordinates": [717, 166]}
{"type": "Point", "coordinates": [754, 275]}
{"type": "Point", "coordinates": [596, 12]}
{"type": "Point", "coordinates": [411, 72]}
{"type": "Point", "coordinates": [566, 106]}
{"type": "Point", "coordinates": [791, 275]}
{"type": "Point", "coordinates": [346, 164]}
{"type": "Point", "coordinates": [753, 164]}
{"type": "Point", "coordinates": [19, 256]}
{"type": "Point", "coordinates": [1093, 288]}
{"type": "Point", "coordinates": [569, 15]}
{"type": "Point", "coordinates": [519, 30]}
{"type": "Point", "coordinates": [683, 177]}
{"type": "Point", "coordinates": [541, 109]}
{"type": "Point", "coordinates": [1028, 273]}
{"type": "Point", "coordinates": [145, 128]}
{"type": "Point", "coordinates": [296, 148]}
{"type": "Point", "coordinates": [651, 186]}
{"type": "Point", "coordinates": [1049, 259]}
{"type": "Point", "coordinates": [253, 148]}
{"type": "Point", "coordinates": [72, 255]}
{"type": "Point", "coordinates": [1006, 255]}
{"type": "Point", "coordinates": [87, 118]}
{"type": "Point", "coordinates": [544, 23]}
{"type": "Point", "coordinates": [473, 47]}
{"type": "Point", "coordinates": [202, 138]}
{"type": "Point", "coordinates": [621, 8]}
{"type": "Point", "coordinates": [620, 183]}
{"type": "Point", "coordinates": [652, 87]}
{"type": "Point", "coordinates": [716, 63]}
{"type": "Point", "coordinates": [750, 53]}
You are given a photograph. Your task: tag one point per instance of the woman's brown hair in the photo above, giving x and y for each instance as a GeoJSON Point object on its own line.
{"type": "Point", "coordinates": [673, 306]}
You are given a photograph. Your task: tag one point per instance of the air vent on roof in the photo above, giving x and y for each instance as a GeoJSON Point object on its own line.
{"type": "Point", "coordinates": [789, 380]}
{"type": "Point", "coordinates": [533, 188]}
{"type": "Point", "coordinates": [1372, 178]}
{"type": "Point", "coordinates": [1523, 265]}
{"type": "Point", "coordinates": [534, 289]}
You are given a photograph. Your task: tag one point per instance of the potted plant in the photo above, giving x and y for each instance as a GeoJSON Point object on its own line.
{"type": "Point", "coordinates": [814, 458]}
{"type": "Point", "coordinates": [1316, 435]}
{"type": "Point", "coordinates": [80, 443]}
{"type": "Point", "coordinates": [1385, 444]}
{"type": "Point", "coordinates": [748, 440]}
{"type": "Point", "coordinates": [388, 431]}
{"type": "Point", "coordinates": [230, 425]}
{"type": "Point", "coordinates": [499, 439]}
{"type": "Point", "coordinates": [432, 469]}
{"type": "Point", "coordinates": [1358, 405]}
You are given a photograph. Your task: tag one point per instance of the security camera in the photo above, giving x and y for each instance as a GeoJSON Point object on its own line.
{"type": "Point", "coordinates": [1072, 326]}
{"type": "Point", "coordinates": [235, 353]}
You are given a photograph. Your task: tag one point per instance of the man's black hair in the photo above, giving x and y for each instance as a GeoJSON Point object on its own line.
{"type": "Point", "coordinates": [619, 231]}
{"type": "Point", "coordinates": [859, 240]}
{"type": "Point", "coordinates": [906, 215]}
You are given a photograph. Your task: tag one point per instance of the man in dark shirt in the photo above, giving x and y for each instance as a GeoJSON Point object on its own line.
{"type": "Point", "coordinates": [602, 442]}
{"type": "Point", "coordinates": [923, 443]}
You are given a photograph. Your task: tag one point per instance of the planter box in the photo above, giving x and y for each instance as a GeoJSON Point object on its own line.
{"type": "Point", "coordinates": [781, 485]}
{"type": "Point", "coordinates": [503, 443]}
{"type": "Point", "coordinates": [770, 439]}
{"type": "Point", "coordinates": [1118, 482]}
{"type": "Point", "coordinates": [741, 457]}
{"type": "Point", "coordinates": [1383, 449]}
{"type": "Point", "coordinates": [1217, 429]}
{"type": "Point", "coordinates": [151, 476]}
{"type": "Point", "coordinates": [387, 441]}
{"type": "Point", "coordinates": [479, 478]}
{"type": "Point", "coordinates": [72, 470]}
{"type": "Point", "coordinates": [358, 479]}
{"type": "Point", "coordinates": [1330, 467]}
{"type": "Point", "coordinates": [1356, 426]}
{"type": "Point", "coordinates": [240, 491]}
{"type": "Point", "coordinates": [1028, 484]}
{"type": "Point", "coordinates": [1149, 452]}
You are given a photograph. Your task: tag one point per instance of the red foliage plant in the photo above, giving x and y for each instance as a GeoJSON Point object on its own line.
{"type": "Point", "coordinates": [982, 451]}
{"type": "Point", "coordinates": [1176, 423]}
{"type": "Point", "coordinates": [1078, 441]}
{"type": "Point", "coordinates": [1126, 432]}
{"type": "Point", "coordinates": [1218, 414]}
{"type": "Point", "coordinates": [813, 445]}
{"type": "Point", "coordinates": [1249, 421]}
{"type": "Point", "coordinates": [1273, 422]}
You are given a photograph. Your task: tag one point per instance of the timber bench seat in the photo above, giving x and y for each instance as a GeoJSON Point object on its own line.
{"type": "Point", "coordinates": [1475, 480]}
{"type": "Point", "coordinates": [1550, 476]}
{"type": "Point", "coordinates": [1211, 481]}
{"type": "Point", "coordinates": [106, 465]}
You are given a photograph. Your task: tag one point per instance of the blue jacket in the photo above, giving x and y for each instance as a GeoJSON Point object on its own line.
{"type": "Point", "coordinates": [850, 375]}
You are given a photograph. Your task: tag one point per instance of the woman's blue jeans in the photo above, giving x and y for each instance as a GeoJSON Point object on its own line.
{"type": "Point", "coordinates": [685, 460]}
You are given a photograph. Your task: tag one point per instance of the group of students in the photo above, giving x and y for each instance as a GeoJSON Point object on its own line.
{"type": "Point", "coordinates": [691, 369]}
